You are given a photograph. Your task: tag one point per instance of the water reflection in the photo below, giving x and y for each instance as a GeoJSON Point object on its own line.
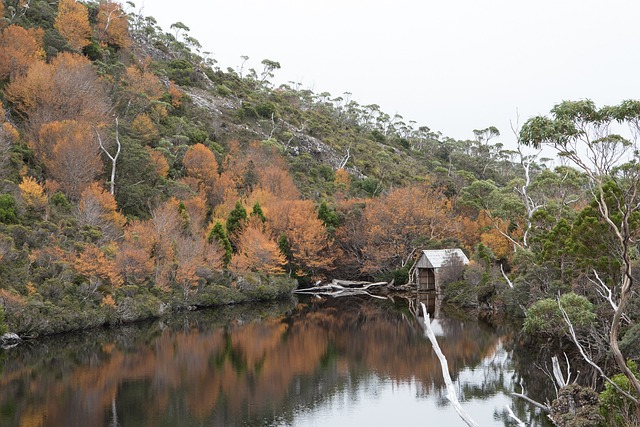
{"type": "Point", "coordinates": [338, 362]}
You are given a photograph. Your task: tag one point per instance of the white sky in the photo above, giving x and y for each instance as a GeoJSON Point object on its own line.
{"type": "Point", "coordinates": [452, 65]}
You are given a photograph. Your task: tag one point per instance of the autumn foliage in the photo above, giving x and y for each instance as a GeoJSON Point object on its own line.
{"type": "Point", "coordinates": [97, 208]}
{"type": "Point", "coordinates": [19, 49]}
{"type": "Point", "coordinates": [394, 225]}
{"type": "Point", "coordinates": [257, 252]}
{"type": "Point", "coordinates": [71, 154]}
{"type": "Point", "coordinates": [112, 26]}
{"type": "Point", "coordinates": [72, 22]}
{"type": "Point", "coordinates": [67, 88]}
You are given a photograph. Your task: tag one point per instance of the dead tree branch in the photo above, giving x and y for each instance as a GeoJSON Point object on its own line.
{"type": "Point", "coordinates": [451, 391]}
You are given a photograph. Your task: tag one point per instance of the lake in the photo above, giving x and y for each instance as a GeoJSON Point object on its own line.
{"type": "Point", "coordinates": [309, 362]}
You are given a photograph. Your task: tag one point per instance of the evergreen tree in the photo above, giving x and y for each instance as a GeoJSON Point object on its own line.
{"type": "Point", "coordinates": [327, 215]}
{"type": "Point", "coordinates": [8, 209]}
{"type": "Point", "coordinates": [236, 219]}
{"type": "Point", "coordinates": [218, 233]}
{"type": "Point", "coordinates": [257, 211]}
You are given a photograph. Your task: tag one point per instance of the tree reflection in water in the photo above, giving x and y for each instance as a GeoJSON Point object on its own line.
{"type": "Point", "coordinates": [320, 362]}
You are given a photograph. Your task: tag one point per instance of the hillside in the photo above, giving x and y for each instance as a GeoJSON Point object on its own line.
{"type": "Point", "coordinates": [138, 177]}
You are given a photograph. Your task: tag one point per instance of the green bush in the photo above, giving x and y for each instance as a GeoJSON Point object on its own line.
{"type": "Point", "coordinates": [544, 317]}
{"type": "Point", "coordinates": [461, 293]}
{"type": "Point", "coordinates": [265, 110]}
{"type": "Point", "coordinates": [617, 409]}
{"type": "Point", "coordinates": [181, 72]}
{"type": "Point", "coordinates": [8, 209]}
{"type": "Point", "coordinates": [3, 326]}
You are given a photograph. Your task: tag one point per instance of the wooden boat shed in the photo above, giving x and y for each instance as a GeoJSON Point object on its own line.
{"type": "Point", "coordinates": [429, 264]}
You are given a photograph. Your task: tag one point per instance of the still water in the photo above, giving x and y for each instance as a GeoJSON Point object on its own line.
{"type": "Point", "coordinates": [339, 362]}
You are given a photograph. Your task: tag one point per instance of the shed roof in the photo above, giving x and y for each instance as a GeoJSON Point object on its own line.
{"type": "Point", "coordinates": [436, 258]}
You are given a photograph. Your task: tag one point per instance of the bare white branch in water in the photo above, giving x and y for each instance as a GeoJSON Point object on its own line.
{"type": "Point", "coordinates": [512, 415]}
{"type": "Point", "coordinates": [451, 392]}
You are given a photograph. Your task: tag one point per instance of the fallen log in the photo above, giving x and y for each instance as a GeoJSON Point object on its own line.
{"type": "Point", "coordinates": [9, 340]}
{"type": "Point", "coordinates": [337, 288]}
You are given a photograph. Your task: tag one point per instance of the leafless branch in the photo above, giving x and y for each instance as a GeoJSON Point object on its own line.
{"type": "Point", "coordinates": [587, 359]}
{"type": "Point", "coordinates": [451, 391]}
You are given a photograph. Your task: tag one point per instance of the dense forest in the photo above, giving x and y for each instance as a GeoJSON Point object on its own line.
{"type": "Point", "coordinates": [137, 178]}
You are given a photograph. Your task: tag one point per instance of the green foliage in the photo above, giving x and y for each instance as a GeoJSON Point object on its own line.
{"type": "Point", "coordinates": [629, 343]}
{"type": "Point", "coordinates": [257, 212]}
{"type": "Point", "coordinates": [545, 318]}
{"type": "Point", "coordinates": [617, 409]}
{"type": "Point", "coordinates": [461, 293]}
{"type": "Point", "coordinates": [60, 200]}
{"type": "Point", "coordinates": [371, 187]}
{"type": "Point", "coordinates": [236, 218]}
{"type": "Point", "coordinates": [184, 216]}
{"type": "Point", "coordinates": [3, 326]}
{"type": "Point", "coordinates": [377, 136]}
{"type": "Point", "coordinates": [137, 182]}
{"type": "Point", "coordinates": [327, 216]}
{"type": "Point", "coordinates": [8, 214]}
{"type": "Point", "coordinates": [181, 72]}
{"type": "Point", "coordinates": [54, 43]}
{"type": "Point", "coordinates": [220, 235]}
{"type": "Point", "coordinates": [266, 288]}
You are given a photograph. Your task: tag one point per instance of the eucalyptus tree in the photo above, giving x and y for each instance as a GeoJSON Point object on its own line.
{"type": "Point", "coordinates": [586, 135]}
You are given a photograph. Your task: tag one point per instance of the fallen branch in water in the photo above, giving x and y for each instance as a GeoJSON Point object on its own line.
{"type": "Point", "coordinates": [451, 391]}
{"type": "Point", "coordinates": [342, 288]}
{"type": "Point", "coordinates": [9, 340]}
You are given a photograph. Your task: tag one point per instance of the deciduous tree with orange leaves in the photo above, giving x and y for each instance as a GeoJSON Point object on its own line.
{"type": "Point", "coordinates": [396, 224]}
{"type": "Point", "coordinates": [112, 25]}
{"type": "Point", "coordinates": [72, 22]}
{"type": "Point", "coordinates": [70, 153]}
{"type": "Point", "coordinates": [306, 235]}
{"type": "Point", "coordinates": [134, 258]}
{"type": "Point", "coordinates": [257, 251]}
{"type": "Point", "coordinates": [92, 264]}
{"type": "Point", "coordinates": [200, 163]}
{"type": "Point", "coordinates": [67, 88]}
{"type": "Point", "coordinates": [19, 49]}
{"type": "Point", "coordinates": [98, 208]}
{"type": "Point", "coordinates": [140, 88]}
{"type": "Point", "coordinates": [33, 194]}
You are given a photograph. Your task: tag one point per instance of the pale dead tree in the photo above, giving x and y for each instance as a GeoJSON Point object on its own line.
{"type": "Point", "coordinates": [606, 293]}
{"type": "Point", "coordinates": [518, 421]}
{"type": "Point", "coordinates": [345, 159]}
{"type": "Point", "coordinates": [451, 390]}
{"type": "Point", "coordinates": [506, 278]}
{"type": "Point", "coordinates": [526, 161]}
{"type": "Point", "coordinates": [112, 157]}
{"type": "Point", "coordinates": [583, 134]}
{"type": "Point", "coordinates": [273, 125]}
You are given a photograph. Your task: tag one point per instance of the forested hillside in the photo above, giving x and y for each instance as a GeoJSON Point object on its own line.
{"type": "Point", "coordinates": [137, 177]}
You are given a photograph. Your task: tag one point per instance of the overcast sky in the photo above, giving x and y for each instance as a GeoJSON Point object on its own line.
{"type": "Point", "coordinates": [452, 65]}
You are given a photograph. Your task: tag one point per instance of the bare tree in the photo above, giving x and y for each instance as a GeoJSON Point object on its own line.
{"type": "Point", "coordinates": [112, 157]}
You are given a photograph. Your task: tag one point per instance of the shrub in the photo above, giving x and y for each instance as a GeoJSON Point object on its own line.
{"type": "Point", "coordinates": [617, 409]}
{"type": "Point", "coordinates": [3, 326]}
{"type": "Point", "coordinates": [576, 406]}
{"type": "Point", "coordinates": [544, 317]}
{"type": "Point", "coordinates": [8, 209]}
{"type": "Point", "coordinates": [461, 293]}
